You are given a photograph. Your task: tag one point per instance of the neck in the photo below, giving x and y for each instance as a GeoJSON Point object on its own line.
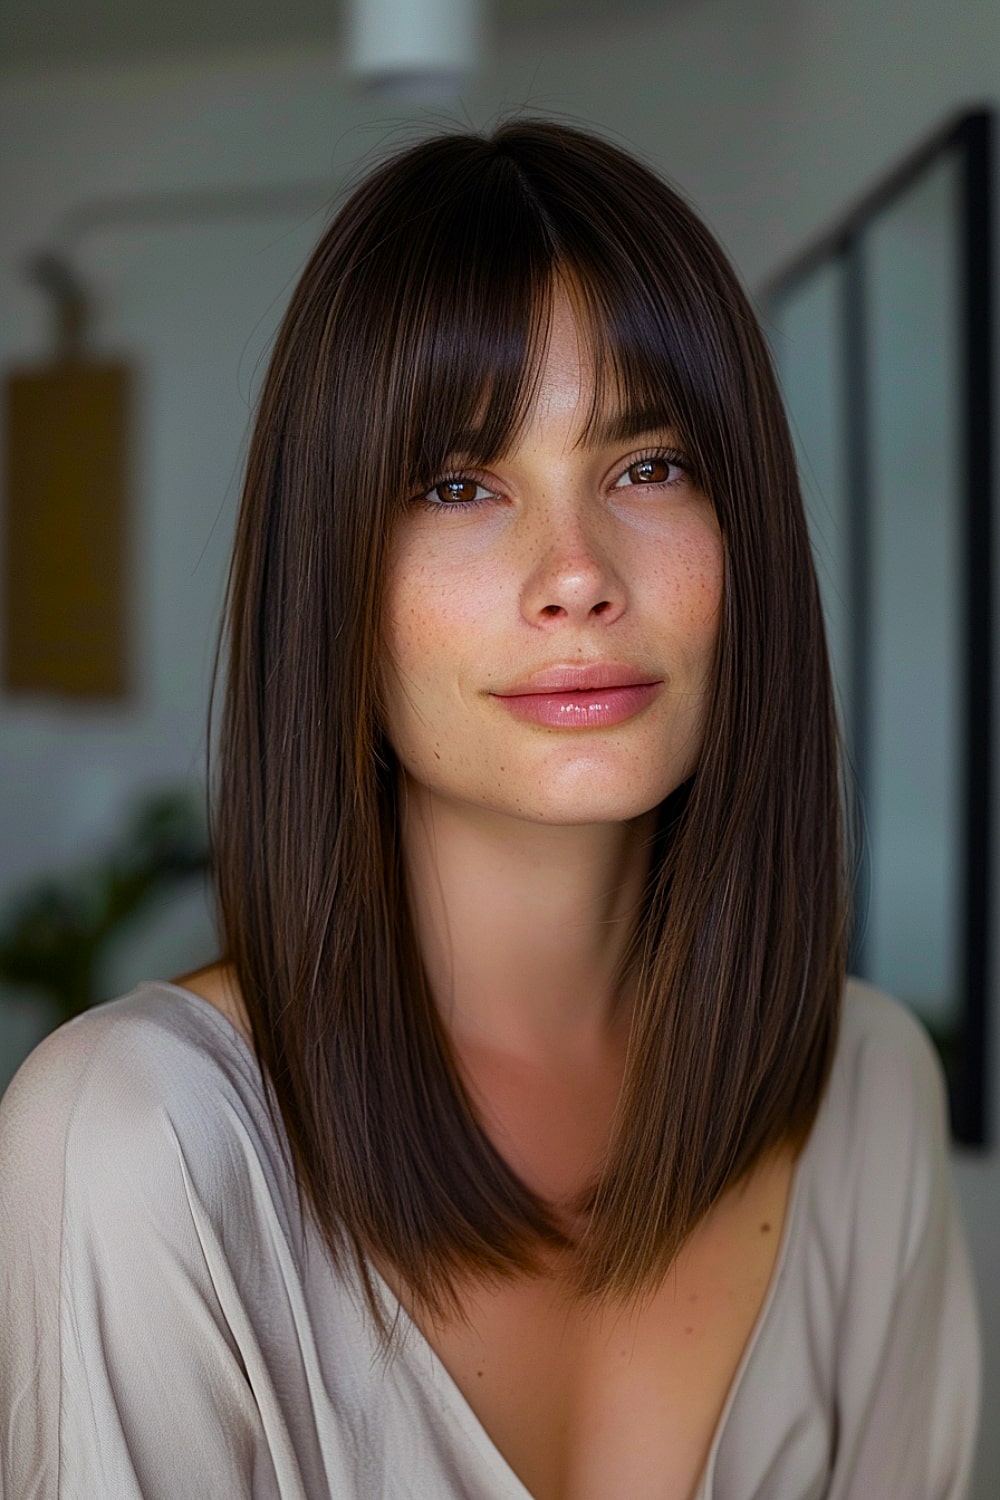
{"type": "Point", "coordinates": [523, 926]}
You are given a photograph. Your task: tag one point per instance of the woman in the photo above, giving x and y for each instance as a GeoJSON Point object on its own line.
{"type": "Point", "coordinates": [531, 1041]}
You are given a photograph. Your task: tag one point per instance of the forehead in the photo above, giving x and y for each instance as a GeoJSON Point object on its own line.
{"type": "Point", "coordinates": [565, 393]}
{"type": "Point", "coordinates": [574, 391]}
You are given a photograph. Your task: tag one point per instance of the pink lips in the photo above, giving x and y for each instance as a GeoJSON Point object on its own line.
{"type": "Point", "coordinates": [580, 696]}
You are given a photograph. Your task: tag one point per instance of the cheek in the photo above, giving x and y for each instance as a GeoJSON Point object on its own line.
{"type": "Point", "coordinates": [442, 598]}
{"type": "Point", "coordinates": [690, 588]}
{"type": "Point", "coordinates": [433, 620]}
{"type": "Point", "coordinates": [426, 620]}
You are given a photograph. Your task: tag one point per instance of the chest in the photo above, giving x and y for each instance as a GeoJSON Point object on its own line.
{"type": "Point", "coordinates": [582, 1405]}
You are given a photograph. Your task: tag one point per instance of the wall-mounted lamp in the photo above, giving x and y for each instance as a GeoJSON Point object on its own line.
{"type": "Point", "coordinates": [65, 474]}
{"type": "Point", "coordinates": [413, 51]}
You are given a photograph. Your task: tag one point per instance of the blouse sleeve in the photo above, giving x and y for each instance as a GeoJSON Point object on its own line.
{"type": "Point", "coordinates": [122, 1373]}
{"type": "Point", "coordinates": [909, 1357]}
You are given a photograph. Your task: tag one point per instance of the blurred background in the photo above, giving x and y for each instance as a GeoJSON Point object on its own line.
{"type": "Point", "coordinates": [165, 171]}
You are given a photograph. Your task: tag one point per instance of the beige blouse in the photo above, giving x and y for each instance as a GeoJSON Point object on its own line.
{"type": "Point", "coordinates": [170, 1328]}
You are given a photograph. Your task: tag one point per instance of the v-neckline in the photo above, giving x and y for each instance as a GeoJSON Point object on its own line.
{"type": "Point", "coordinates": [471, 1423]}
{"type": "Point", "coordinates": [447, 1385]}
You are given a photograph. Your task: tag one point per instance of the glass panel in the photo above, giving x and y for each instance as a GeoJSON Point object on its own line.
{"type": "Point", "coordinates": [808, 347]}
{"type": "Point", "coordinates": [911, 945]}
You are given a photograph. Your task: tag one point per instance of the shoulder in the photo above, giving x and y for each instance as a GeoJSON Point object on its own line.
{"type": "Point", "coordinates": [886, 1061]}
{"type": "Point", "coordinates": [877, 1024]}
{"type": "Point", "coordinates": [880, 1164]}
{"type": "Point", "coordinates": [142, 1095]}
{"type": "Point", "coordinates": [123, 1062]}
{"type": "Point", "coordinates": [145, 1230]}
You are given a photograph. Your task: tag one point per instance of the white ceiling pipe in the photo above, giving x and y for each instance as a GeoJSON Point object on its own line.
{"type": "Point", "coordinates": [414, 50]}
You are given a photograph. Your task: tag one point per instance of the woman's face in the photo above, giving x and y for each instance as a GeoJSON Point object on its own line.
{"type": "Point", "coordinates": [550, 644]}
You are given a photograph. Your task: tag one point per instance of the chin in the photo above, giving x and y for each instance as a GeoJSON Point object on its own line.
{"type": "Point", "coordinates": [588, 816]}
{"type": "Point", "coordinates": [545, 801]}
{"type": "Point", "coordinates": [556, 790]}
{"type": "Point", "coordinates": [599, 810]}
{"type": "Point", "coordinates": [600, 789]}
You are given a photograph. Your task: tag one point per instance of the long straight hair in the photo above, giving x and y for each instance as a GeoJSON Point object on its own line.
{"type": "Point", "coordinates": [415, 328]}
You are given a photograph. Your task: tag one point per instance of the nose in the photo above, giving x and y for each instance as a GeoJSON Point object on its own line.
{"type": "Point", "coordinates": [571, 577]}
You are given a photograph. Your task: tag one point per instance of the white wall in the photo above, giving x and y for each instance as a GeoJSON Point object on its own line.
{"type": "Point", "coordinates": [771, 117]}
{"type": "Point", "coordinates": [191, 306]}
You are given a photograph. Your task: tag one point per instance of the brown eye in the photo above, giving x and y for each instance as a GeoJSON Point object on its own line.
{"type": "Point", "coordinates": [655, 469]}
{"type": "Point", "coordinates": [650, 471]}
{"type": "Point", "coordinates": [456, 491]}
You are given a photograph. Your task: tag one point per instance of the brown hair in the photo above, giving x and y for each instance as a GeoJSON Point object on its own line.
{"type": "Point", "coordinates": [418, 318]}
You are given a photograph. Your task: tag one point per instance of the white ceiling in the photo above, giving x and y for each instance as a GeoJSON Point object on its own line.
{"type": "Point", "coordinates": [39, 32]}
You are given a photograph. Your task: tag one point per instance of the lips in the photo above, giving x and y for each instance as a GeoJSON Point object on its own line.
{"type": "Point", "coordinates": [579, 677]}
{"type": "Point", "coordinates": [580, 696]}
